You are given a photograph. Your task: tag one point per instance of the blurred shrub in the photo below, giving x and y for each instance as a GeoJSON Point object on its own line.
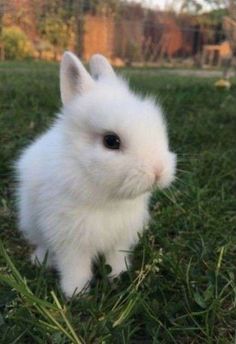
{"type": "Point", "coordinates": [59, 34]}
{"type": "Point", "coordinates": [16, 44]}
{"type": "Point", "coordinates": [132, 53]}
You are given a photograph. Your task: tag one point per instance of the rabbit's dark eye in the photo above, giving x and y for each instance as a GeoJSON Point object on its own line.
{"type": "Point", "coordinates": [111, 141]}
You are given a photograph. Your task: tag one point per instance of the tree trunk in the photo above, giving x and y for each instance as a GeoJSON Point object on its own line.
{"type": "Point", "coordinates": [79, 10]}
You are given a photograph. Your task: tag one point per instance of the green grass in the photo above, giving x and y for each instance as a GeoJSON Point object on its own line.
{"type": "Point", "coordinates": [181, 288]}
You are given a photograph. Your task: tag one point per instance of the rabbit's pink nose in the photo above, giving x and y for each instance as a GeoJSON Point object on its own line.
{"type": "Point", "coordinates": [158, 172]}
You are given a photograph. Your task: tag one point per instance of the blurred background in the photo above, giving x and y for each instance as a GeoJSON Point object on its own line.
{"type": "Point", "coordinates": [188, 33]}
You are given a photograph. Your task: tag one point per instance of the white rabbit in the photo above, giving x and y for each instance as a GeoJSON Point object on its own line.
{"type": "Point", "coordinates": [84, 185]}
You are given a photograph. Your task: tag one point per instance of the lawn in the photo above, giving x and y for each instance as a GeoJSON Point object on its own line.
{"type": "Point", "coordinates": [182, 285]}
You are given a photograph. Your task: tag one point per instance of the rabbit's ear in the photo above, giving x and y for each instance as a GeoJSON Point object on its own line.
{"type": "Point", "coordinates": [100, 66]}
{"type": "Point", "coordinates": [74, 78]}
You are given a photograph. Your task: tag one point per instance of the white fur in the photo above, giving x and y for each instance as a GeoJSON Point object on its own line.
{"type": "Point", "coordinates": [77, 198]}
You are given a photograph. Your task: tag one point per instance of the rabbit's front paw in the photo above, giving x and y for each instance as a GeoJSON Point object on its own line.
{"type": "Point", "coordinates": [73, 286]}
{"type": "Point", "coordinates": [75, 273]}
{"type": "Point", "coordinates": [42, 256]}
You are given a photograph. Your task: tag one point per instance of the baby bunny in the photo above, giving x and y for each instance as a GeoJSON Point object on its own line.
{"type": "Point", "coordinates": [84, 185]}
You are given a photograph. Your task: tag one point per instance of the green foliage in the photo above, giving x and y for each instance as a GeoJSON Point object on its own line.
{"type": "Point", "coordinates": [16, 44]}
{"type": "Point", "coordinates": [102, 6]}
{"type": "Point", "coordinates": [56, 31]}
{"type": "Point", "coordinates": [55, 22]}
{"type": "Point", "coordinates": [181, 287]}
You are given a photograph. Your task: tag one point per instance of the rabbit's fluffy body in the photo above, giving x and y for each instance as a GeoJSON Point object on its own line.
{"type": "Point", "coordinates": [76, 197]}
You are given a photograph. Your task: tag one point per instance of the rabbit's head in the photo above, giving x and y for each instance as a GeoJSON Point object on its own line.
{"type": "Point", "coordinates": [118, 138]}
